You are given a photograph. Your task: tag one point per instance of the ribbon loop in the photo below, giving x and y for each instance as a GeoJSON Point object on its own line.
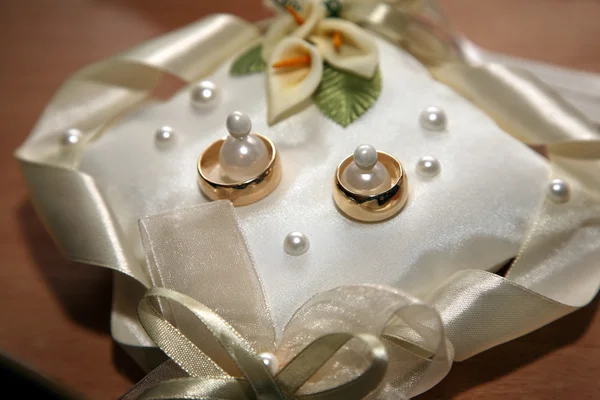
{"type": "Point", "coordinates": [419, 354]}
{"type": "Point", "coordinates": [315, 355]}
{"type": "Point", "coordinates": [184, 353]}
{"type": "Point", "coordinates": [403, 320]}
{"type": "Point", "coordinates": [209, 381]}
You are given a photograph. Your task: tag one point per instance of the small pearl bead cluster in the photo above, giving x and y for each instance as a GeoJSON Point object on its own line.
{"type": "Point", "coordinates": [366, 174]}
{"type": "Point", "coordinates": [432, 119]}
{"type": "Point", "coordinates": [243, 155]}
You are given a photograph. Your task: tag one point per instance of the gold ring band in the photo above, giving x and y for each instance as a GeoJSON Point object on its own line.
{"type": "Point", "coordinates": [375, 207]}
{"type": "Point", "coordinates": [239, 193]}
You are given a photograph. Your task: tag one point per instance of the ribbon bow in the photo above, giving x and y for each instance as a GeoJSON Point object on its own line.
{"type": "Point", "coordinates": [209, 380]}
{"type": "Point", "coordinates": [234, 370]}
{"type": "Point", "coordinates": [344, 343]}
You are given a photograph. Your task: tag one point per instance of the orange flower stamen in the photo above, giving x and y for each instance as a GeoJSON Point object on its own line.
{"type": "Point", "coordinates": [297, 17]}
{"type": "Point", "coordinates": [337, 40]}
{"type": "Point", "coordinates": [293, 62]}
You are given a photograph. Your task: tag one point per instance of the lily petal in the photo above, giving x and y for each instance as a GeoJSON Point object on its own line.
{"type": "Point", "coordinates": [358, 52]}
{"type": "Point", "coordinates": [289, 85]}
{"type": "Point", "coordinates": [313, 11]}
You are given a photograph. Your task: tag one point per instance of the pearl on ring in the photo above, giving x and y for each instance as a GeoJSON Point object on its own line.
{"type": "Point", "coordinates": [203, 94]}
{"type": "Point", "coordinates": [164, 134]}
{"type": "Point", "coordinates": [238, 124]}
{"type": "Point", "coordinates": [71, 137]}
{"type": "Point", "coordinates": [559, 191]}
{"type": "Point", "coordinates": [243, 155]}
{"type": "Point", "coordinates": [433, 119]}
{"type": "Point", "coordinates": [365, 195]}
{"type": "Point", "coordinates": [428, 166]}
{"type": "Point", "coordinates": [366, 175]}
{"type": "Point", "coordinates": [365, 156]}
{"type": "Point", "coordinates": [296, 243]}
{"type": "Point", "coordinates": [270, 360]}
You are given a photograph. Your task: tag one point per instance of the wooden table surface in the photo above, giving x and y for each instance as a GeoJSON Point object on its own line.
{"type": "Point", "coordinates": [55, 314]}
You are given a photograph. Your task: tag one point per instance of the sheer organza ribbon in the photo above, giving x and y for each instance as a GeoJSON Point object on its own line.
{"type": "Point", "coordinates": [352, 376]}
{"type": "Point", "coordinates": [209, 380]}
{"type": "Point", "coordinates": [351, 340]}
{"type": "Point", "coordinates": [556, 272]}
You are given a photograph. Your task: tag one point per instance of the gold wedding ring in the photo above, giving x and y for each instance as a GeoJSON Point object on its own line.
{"type": "Point", "coordinates": [372, 207]}
{"type": "Point", "coordinates": [215, 187]}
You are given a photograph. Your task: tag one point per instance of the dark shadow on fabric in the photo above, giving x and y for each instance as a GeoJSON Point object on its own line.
{"type": "Point", "coordinates": [17, 377]}
{"type": "Point", "coordinates": [84, 291]}
{"type": "Point", "coordinates": [125, 364]}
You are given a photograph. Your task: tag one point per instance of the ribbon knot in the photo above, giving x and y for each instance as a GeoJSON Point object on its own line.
{"type": "Point", "coordinates": [208, 380]}
{"type": "Point", "coordinates": [234, 371]}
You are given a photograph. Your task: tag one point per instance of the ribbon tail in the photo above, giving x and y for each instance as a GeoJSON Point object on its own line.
{"type": "Point", "coordinates": [226, 343]}
{"type": "Point", "coordinates": [314, 356]}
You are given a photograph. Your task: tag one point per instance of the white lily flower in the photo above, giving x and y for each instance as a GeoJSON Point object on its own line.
{"type": "Point", "coordinates": [293, 74]}
{"type": "Point", "coordinates": [346, 46]}
{"type": "Point", "coordinates": [295, 67]}
{"type": "Point", "coordinates": [297, 24]}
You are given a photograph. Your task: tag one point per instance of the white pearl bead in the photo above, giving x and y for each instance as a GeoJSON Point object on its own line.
{"type": "Point", "coordinates": [559, 191]}
{"type": "Point", "coordinates": [71, 137]}
{"type": "Point", "coordinates": [243, 155]}
{"type": "Point", "coordinates": [433, 119]}
{"type": "Point", "coordinates": [164, 134]}
{"type": "Point", "coordinates": [366, 175]}
{"type": "Point", "coordinates": [428, 166]}
{"type": "Point", "coordinates": [270, 360]}
{"type": "Point", "coordinates": [367, 182]}
{"type": "Point", "coordinates": [296, 243]}
{"type": "Point", "coordinates": [203, 94]}
{"type": "Point", "coordinates": [243, 159]}
{"type": "Point", "coordinates": [238, 124]}
{"type": "Point", "coordinates": [365, 156]}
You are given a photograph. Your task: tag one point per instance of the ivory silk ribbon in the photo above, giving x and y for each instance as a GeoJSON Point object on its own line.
{"type": "Point", "coordinates": [556, 272]}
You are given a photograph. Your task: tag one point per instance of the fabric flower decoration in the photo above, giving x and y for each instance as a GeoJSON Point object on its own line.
{"type": "Point", "coordinates": [293, 24]}
{"type": "Point", "coordinates": [294, 50]}
{"type": "Point", "coordinates": [293, 78]}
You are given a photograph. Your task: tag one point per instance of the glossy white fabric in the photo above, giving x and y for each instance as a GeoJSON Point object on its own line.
{"type": "Point", "coordinates": [473, 215]}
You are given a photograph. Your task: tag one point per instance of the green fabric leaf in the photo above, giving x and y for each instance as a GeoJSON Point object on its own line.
{"type": "Point", "coordinates": [249, 63]}
{"type": "Point", "coordinates": [343, 97]}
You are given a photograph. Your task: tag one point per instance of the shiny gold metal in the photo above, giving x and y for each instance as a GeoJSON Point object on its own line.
{"type": "Point", "coordinates": [214, 187]}
{"type": "Point", "coordinates": [376, 207]}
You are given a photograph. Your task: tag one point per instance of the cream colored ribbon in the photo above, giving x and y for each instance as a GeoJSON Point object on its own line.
{"type": "Point", "coordinates": [556, 272]}
{"type": "Point", "coordinates": [69, 202]}
{"type": "Point", "coordinates": [230, 313]}
{"type": "Point", "coordinates": [209, 380]}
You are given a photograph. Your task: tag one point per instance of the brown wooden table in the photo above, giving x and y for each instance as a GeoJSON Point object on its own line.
{"type": "Point", "coordinates": [55, 314]}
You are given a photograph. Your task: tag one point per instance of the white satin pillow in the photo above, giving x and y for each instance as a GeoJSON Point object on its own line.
{"type": "Point", "coordinates": [473, 215]}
